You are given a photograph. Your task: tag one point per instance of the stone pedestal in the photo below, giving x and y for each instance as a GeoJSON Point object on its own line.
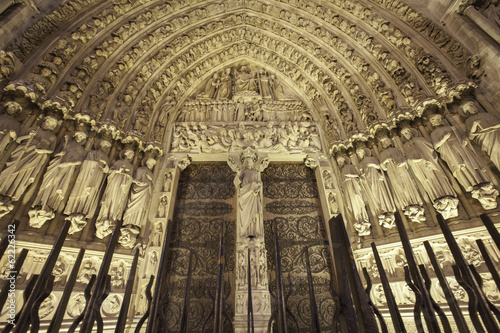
{"type": "Point", "coordinates": [261, 301]}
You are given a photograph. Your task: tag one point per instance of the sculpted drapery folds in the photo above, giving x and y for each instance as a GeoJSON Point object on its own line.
{"type": "Point", "coordinates": [484, 129]}
{"type": "Point", "coordinates": [115, 195]}
{"type": "Point", "coordinates": [57, 179]}
{"type": "Point", "coordinates": [353, 196]}
{"type": "Point", "coordinates": [245, 81]}
{"type": "Point", "coordinates": [406, 194]}
{"type": "Point", "coordinates": [137, 209]}
{"type": "Point", "coordinates": [454, 148]}
{"type": "Point", "coordinates": [9, 126]}
{"type": "Point", "coordinates": [140, 193]}
{"type": "Point", "coordinates": [82, 201]}
{"type": "Point", "coordinates": [377, 188]}
{"type": "Point", "coordinates": [423, 161]}
{"type": "Point", "coordinates": [249, 184]}
{"type": "Point", "coordinates": [28, 159]}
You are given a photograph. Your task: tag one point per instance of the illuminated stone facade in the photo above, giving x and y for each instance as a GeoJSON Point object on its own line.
{"type": "Point", "coordinates": [135, 112]}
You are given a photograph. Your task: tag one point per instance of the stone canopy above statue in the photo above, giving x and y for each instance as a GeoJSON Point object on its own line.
{"type": "Point", "coordinates": [243, 93]}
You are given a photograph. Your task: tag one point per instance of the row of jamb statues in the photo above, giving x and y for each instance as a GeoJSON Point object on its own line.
{"type": "Point", "coordinates": [420, 162]}
{"type": "Point", "coordinates": [125, 198]}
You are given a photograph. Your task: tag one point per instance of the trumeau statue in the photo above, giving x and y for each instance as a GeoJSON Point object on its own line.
{"type": "Point", "coordinates": [353, 196]}
{"type": "Point", "coordinates": [423, 161]}
{"type": "Point", "coordinates": [9, 126]}
{"type": "Point", "coordinates": [114, 199]}
{"type": "Point", "coordinates": [57, 179]}
{"type": "Point", "coordinates": [83, 199]}
{"type": "Point", "coordinates": [377, 188]}
{"type": "Point", "coordinates": [249, 185]}
{"type": "Point", "coordinates": [484, 129]}
{"type": "Point", "coordinates": [27, 160]}
{"type": "Point", "coordinates": [454, 148]}
{"type": "Point", "coordinates": [406, 194]}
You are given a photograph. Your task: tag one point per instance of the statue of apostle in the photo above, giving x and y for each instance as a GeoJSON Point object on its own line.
{"type": "Point", "coordinates": [28, 159]}
{"type": "Point", "coordinates": [114, 199]}
{"type": "Point", "coordinates": [137, 206]}
{"type": "Point", "coordinates": [423, 161]}
{"type": "Point", "coordinates": [484, 129]}
{"type": "Point", "coordinates": [454, 148]}
{"type": "Point", "coordinates": [83, 199]}
{"type": "Point", "coordinates": [9, 126]}
{"type": "Point", "coordinates": [57, 179]}
{"type": "Point", "coordinates": [353, 195]}
{"type": "Point", "coordinates": [377, 188]}
{"type": "Point", "coordinates": [405, 190]}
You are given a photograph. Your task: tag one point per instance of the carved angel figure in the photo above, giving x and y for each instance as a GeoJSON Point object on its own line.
{"type": "Point", "coordinates": [28, 159]}
{"type": "Point", "coordinates": [249, 185]}
{"type": "Point", "coordinates": [57, 180]}
{"type": "Point", "coordinates": [115, 195]}
{"type": "Point", "coordinates": [82, 201]}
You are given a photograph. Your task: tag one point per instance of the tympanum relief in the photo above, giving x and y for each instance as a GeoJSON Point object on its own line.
{"type": "Point", "coordinates": [247, 107]}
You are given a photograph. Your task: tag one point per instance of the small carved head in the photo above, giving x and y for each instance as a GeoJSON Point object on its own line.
{"type": "Point", "coordinates": [436, 120]}
{"type": "Point", "coordinates": [469, 107]}
{"type": "Point", "coordinates": [362, 152]}
{"type": "Point", "coordinates": [409, 133]}
{"type": "Point", "coordinates": [105, 146]}
{"type": "Point", "coordinates": [49, 123]}
{"type": "Point", "coordinates": [129, 154]}
{"type": "Point", "coordinates": [150, 163]}
{"type": "Point", "coordinates": [12, 108]}
{"type": "Point", "coordinates": [386, 142]}
{"type": "Point", "coordinates": [79, 136]}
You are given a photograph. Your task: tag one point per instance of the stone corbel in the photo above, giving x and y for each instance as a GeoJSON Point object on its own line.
{"type": "Point", "coordinates": [311, 162]}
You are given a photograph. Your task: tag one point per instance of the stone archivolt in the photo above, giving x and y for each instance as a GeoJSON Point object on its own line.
{"type": "Point", "coordinates": [368, 77]}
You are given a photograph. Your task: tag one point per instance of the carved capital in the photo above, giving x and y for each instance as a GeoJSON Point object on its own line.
{"type": "Point", "coordinates": [462, 5]}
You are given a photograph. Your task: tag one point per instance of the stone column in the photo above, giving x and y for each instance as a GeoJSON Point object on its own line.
{"type": "Point", "coordinates": [250, 240]}
{"type": "Point", "coordinates": [161, 210]}
{"type": "Point", "coordinates": [483, 23]}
